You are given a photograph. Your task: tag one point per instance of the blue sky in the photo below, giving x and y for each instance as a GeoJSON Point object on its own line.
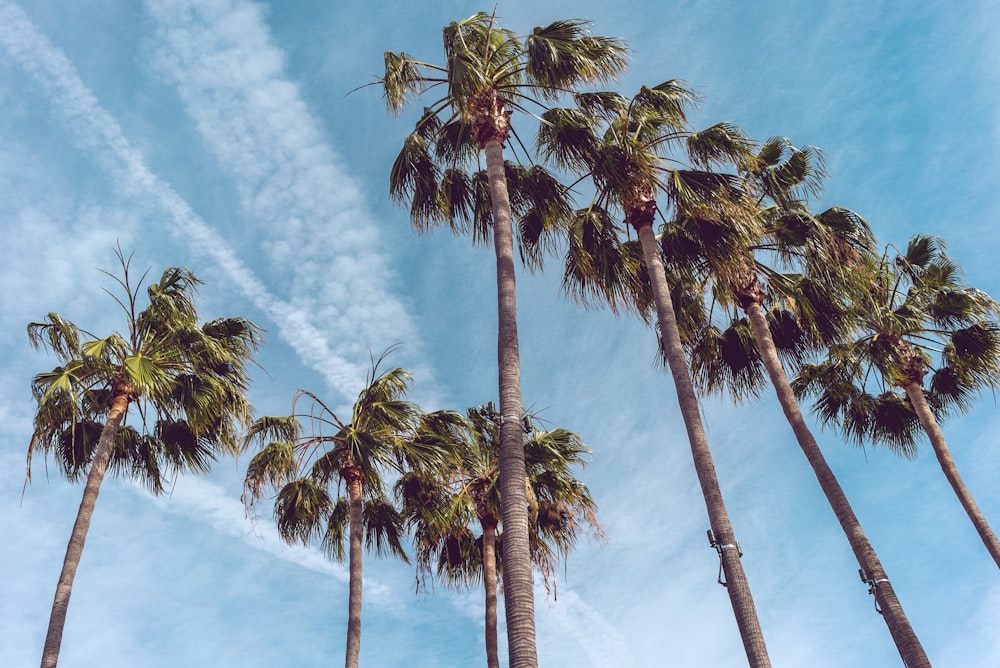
{"type": "Point", "coordinates": [219, 135]}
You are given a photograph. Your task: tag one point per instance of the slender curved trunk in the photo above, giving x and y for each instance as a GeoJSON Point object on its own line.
{"type": "Point", "coordinates": [519, 597]}
{"type": "Point", "coordinates": [927, 421]}
{"type": "Point", "coordinates": [355, 531]}
{"type": "Point", "coordinates": [98, 467]}
{"type": "Point", "coordinates": [490, 583]}
{"type": "Point", "coordinates": [736, 582]}
{"type": "Point", "coordinates": [906, 640]}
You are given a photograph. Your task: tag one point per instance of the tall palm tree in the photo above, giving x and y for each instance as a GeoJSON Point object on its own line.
{"type": "Point", "coordinates": [187, 381]}
{"type": "Point", "coordinates": [827, 249]}
{"type": "Point", "coordinates": [440, 505]}
{"type": "Point", "coordinates": [624, 147]}
{"type": "Point", "coordinates": [489, 73]}
{"type": "Point", "coordinates": [915, 308]}
{"type": "Point", "coordinates": [300, 466]}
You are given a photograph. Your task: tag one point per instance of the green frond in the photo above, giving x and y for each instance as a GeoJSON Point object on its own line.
{"type": "Point", "coordinates": [664, 105]}
{"type": "Point", "coordinates": [384, 529]}
{"type": "Point", "coordinates": [700, 193]}
{"type": "Point", "coordinates": [975, 350]}
{"type": "Point", "coordinates": [479, 55]}
{"type": "Point", "coordinates": [455, 144]}
{"type": "Point", "coordinates": [74, 447]}
{"type": "Point", "coordinates": [542, 207]}
{"type": "Point", "coordinates": [849, 226]}
{"type": "Point", "coordinates": [402, 80]}
{"type": "Point", "coordinates": [188, 384]}
{"type": "Point", "coordinates": [727, 359]}
{"type": "Point", "coordinates": [894, 424]}
{"type": "Point", "coordinates": [272, 467]}
{"type": "Point", "coordinates": [605, 105]}
{"type": "Point", "coordinates": [457, 195]}
{"type": "Point", "coordinates": [61, 336]}
{"type": "Point", "coordinates": [567, 138]}
{"type": "Point", "coordinates": [106, 351]}
{"type": "Point", "coordinates": [772, 152]}
{"type": "Point", "coordinates": [301, 508]}
{"type": "Point", "coordinates": [135, 457]}
{"type": "Point", "coordinates": [597, 269]}
{"type": "Point", "coordinates": [61, 382]}
{"type": "Point", "coordinates": [182, 448]}
{"type": "Point", "coordinates": [950, 390]}
{"type": "Point", "coordinates": [786, 174]}
{"type": "Point", "coordinates": [718, 145]}
{"type": "Point", "coordinates": [149, 375]}
{"type": "Point", "coordinates": [229, 345]}
{"type": "Point", "coordinates": [949, 309]}
{"type": "Point", "coordinates": [563, 55]}
{"type": "Point", "coordinates": [171, 308]}
{"type": "Point", "coordinates": [414, 178]}
{"type": "Point", "coordinates": [921, 250]}
{"type": "Point", "coordinates": [335, 536]}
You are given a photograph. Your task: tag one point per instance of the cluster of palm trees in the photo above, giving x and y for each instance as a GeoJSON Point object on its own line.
{"type": "Point", "coordinates": [447, 474]}
{"type": "Point", "coordinates": [737, 237]}
{"type": "Point", "coordinates": [744, 283]}
{"type": "Point", "coordinates": [188, 382]}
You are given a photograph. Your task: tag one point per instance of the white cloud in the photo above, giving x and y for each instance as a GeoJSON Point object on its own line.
{"type": "Point", "coordinates": [301, 201]}
{"type": "Point", "coordinates": [93, 129]}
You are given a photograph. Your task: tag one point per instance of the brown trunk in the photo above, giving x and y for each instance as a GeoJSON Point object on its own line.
{"type": "Point", "coordinates": [98, 467]}
{"type": "Point", "coordinates": [355, 531]}
{"type": "Point", "coordinates": [927, 421]}
{"type": "Point", "coordinates": [736, 582]}
{"type": "Point", "coordinates": [519, 597]}
{"type": "Point", "coordinates": [906, 640]}
{"type": "Point", "coordinates": [490, 583]}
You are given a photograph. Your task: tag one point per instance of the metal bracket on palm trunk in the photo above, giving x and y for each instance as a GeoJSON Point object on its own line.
{"type": "Point", "coordinates": [721, 548]}
{"type": "Point", "coordinates": [872, 586]}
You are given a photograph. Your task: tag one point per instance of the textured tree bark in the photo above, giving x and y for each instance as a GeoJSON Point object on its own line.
{"type": "Point", "coordinates": [98, 467]}
{"type": "Point", "coordinates": [906, 640]}
{"type": "Point", "coordinates": [519, 596]}
{"type": "Point", "coordinates": [355, 530]}
{"type": "Point", "coordinates": [737, 585]}
{"type": "Point", "coordinates": [490, 582]}
{"type": "Point", "coordinates": [930, 425]}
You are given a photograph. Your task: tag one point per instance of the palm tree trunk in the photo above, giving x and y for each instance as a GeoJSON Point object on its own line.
{"type": "Point", "coordinates": [490, 582]}
{"type": "Point", "coordinates": [927, 421]}
{"type": "Point", "coordinates": [519, 597]}
{"type": "Point", "coordinates": [736, 582]}
{"type": "Point", "coordinates": [355, 530]}
{"type": "Point", "coordinates": [98, 467]}
{"type": "Point", "coordinates": [906, 640]}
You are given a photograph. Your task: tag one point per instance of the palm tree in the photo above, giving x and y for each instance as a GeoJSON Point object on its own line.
{"type": "Point", "coordinates": [440, 505]}
{"type": "Point", "coordinates": [623, 146]}
{"type": "Point", "coordinates": [828, 248]}
{"type": "Point", "coordinates": [187, 381]}
{"type": "Point", "coordinates": [915, 308]}
{"type": "Point", "coordinates": [300, 465]}
{"type": "Point", "coordinates": [489, 73]}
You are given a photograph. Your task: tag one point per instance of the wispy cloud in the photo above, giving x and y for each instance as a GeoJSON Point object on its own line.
{"type": "Point", "coordinates": [95, 130]}
{"type": "Point", "coordinates": [206, 502]}
{"type": "Point", "coordinates": [293, 189]}
{"type": "Point", "coordinates": [574, 627]}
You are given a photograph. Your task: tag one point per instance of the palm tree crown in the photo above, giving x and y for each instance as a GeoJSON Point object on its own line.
{"type": "Point", "coordinates": [440, 505]}
{"type": "Point", "coordinates": [915, 317]}
{"type": "Point", "coordinates": [189, 381]}
{"type": "Point", "coordinates": [303, 467]}
{"type": "Point", "coordinates": [743, 263]}
{"type": "Point", "coordinates": [489, 73]}
{"type": "Point", "coordinates": [625, 147]}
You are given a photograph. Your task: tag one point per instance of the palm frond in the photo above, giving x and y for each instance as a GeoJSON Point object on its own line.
{"type": "Point", "coordinates": [564, 54]}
